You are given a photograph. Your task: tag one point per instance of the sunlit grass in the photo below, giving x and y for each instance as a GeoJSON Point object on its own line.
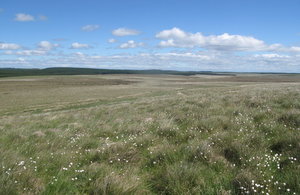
{"type": "Point", "coordinates": [235, 139]}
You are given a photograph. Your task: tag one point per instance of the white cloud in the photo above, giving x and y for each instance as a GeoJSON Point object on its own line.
{"type": "Point", "coordinates": [281, 48]}
{"type": "Point", "coordinates": [77, 45]}
{"type": "Point", "coordinates": [43, 48]}
{"type": "Point", "coordinates": [176, 37]}
{"type": "Point", "coordinates": [185, 55]}
{"type": "Point", "coordinates": [79, 54]}
{"type": "Point", "coordinates": [130, 44]}
{"type": "Point", "coordinates": [172, 33]}
{"type": "Point", "coordinates": [90, 27]}
{"type": "Point", "coordinates": [295, 49]}
{"type": "Point", "coordinates": [125, 32]}
{"type": "Point", "coordinates": [234, 42]}
{"type": "Point", "coordinates": [26, 52]}
{"type": "Point", "coordinates": [8, 46]}
{"type": "Point", "coordinates": [21, 17]}
{"type": "Point", "coordinates": [46, 45]}
{"type": "Point", "coordinates": [31, 52]}
{"type": "Point", "coordinates": [112, 40]}
{"type": "Point", "coordinates": [198, 61]}
{"type": "Point", "coordinates": [271, 56]}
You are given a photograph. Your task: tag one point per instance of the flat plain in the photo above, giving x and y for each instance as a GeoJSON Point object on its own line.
{"type": "Point", "coordinates": [150, 134]}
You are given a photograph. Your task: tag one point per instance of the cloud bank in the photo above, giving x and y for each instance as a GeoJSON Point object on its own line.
{"type": "Point", "coordinates": [176, 37]}
{"type": "Point", "coordinates": [200, 61]}
{"type": "Point", "coordinates": [172, 49]}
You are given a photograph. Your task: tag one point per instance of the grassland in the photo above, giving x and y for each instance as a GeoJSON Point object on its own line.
{"type": "Point", "coordinates": [10, 72]}
{"type": "Point", "coordinates": [150, 134]}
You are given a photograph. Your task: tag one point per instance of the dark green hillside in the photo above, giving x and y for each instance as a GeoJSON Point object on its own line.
{"type": "Point", "coordinates": [9, 72]}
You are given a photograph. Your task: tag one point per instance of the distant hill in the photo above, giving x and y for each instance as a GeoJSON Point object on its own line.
{"type": "Point", "coordinates": [11, 72]}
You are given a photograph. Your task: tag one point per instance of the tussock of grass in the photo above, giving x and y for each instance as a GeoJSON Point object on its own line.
{"type": "Point", "coordinates": [216, 140]}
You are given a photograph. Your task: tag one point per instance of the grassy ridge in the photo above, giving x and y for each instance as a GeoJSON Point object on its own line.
{"type": "Point", "coordinates": [10, 72]}
{"type": "Point", "coordinates": [232, 139]}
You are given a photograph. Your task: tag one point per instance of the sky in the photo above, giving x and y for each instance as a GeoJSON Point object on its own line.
{"type": "Point", "coordinates": [197, 35]}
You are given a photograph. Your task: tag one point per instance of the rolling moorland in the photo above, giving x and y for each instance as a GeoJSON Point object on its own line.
{"type": "Point", "coordinates": [150, 134]}
{"type": "Point", "coordinates": [9, 72]}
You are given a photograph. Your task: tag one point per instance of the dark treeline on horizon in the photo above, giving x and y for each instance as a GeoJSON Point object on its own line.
{"type": "Point", "coordinates": [11, 72]}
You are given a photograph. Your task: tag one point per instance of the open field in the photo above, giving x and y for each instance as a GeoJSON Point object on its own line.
{"type": "Point", "coordinates": [150, 134]}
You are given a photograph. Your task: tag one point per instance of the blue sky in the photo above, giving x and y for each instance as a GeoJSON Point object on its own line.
{"type": "Point", "coordinates": [218, 35]}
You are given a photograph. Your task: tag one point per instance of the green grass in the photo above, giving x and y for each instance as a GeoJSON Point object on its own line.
{"type": "Point", "coordinates": [156, 135]}
{"type": "Point", "coordinates": [13, 72]}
